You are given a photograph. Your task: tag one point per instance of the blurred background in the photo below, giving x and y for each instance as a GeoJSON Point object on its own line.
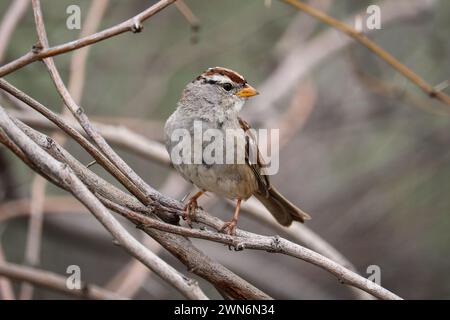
{"type": "Point", "coordinates": [365, 152]}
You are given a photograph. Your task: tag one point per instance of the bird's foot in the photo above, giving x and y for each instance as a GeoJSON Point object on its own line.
{"type": "Point", "coordinates": [229, 227]}
{"type": "Point", "coordinates": [189, 211]}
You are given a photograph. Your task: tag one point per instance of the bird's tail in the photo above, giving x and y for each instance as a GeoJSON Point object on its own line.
{"type": "Point", "coordinates": [281, 208]}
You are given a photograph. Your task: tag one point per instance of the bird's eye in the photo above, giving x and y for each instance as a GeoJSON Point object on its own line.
{"type": "Point", "coordinates": [227, 86]}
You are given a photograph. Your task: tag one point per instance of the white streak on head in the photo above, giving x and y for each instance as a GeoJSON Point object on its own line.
{"type": "Point", "coordinates": [219, 78]}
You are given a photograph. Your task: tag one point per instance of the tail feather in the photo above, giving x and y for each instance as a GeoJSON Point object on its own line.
{"type": "Point", "coordinates": [281, 208]}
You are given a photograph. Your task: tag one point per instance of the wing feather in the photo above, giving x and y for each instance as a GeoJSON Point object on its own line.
{"type": "Point", "coordinates": [258, 166]}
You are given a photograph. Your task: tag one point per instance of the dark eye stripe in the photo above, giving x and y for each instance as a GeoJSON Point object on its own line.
{"type": "Point", "coordinates": [227, 86]}
{"type": "Point", "coordinates": [211, 81]}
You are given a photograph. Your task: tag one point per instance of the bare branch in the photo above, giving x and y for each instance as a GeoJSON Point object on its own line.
{"type": "Point", "coordinates": [303, 58]}
{"type": "Point", "coordinates": [196, 261]}
{"type": "Point", "coordinates": [372, 46]}
{"type": "Point", "coordinates": [307, 237]}
{"type": "Point", "coordinates": [66, 127]}
{"type": "Point", "coordinates": [188, 14]}
{"type": "Point", "coordinates": [191, 18]}
{"type": "Point", "coordinates": [130, 279]}
{"type": "Point", "coordinates": [76, 84]}
{"type": "Point", "coordinates": [70, 181]}
{"type": "Point", "coordinates": [289, 248]}
{"type": "Point", "coordinates": [133, 24]}
{"type": "Point", "coordinates": [82, 118]}
{"type": "Point", "coordinates": [247, 240]}
{"type": "Point", "coordinates": [118, 135]}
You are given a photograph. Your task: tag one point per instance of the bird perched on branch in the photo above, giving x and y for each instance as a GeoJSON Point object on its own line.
{"type": "Point", "coordinates": [211, 104]}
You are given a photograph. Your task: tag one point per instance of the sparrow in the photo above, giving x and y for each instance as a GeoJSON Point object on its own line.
{"type": "Point", "coordinates": [213, 100]}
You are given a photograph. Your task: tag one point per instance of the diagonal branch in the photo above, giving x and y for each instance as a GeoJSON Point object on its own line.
{"type": "Point", "coordinates": [82, 118]}
{"type": "Point", "coordinates": [133, 24]}
{"type": "Point", "coordinates": [65, 176]}
{"type": "Point", "coordinates": [38, 186]}
{"type": "Point", "coordinates": [247, 240]}
{"type": "Point", "coordinates": [196, 261]}
{"type": "Point", "coordinates": [372, 46]}
{"type": "Point", "coordinates": [303, 58]}
{"type": "Point", "coordinates": [72, 132]}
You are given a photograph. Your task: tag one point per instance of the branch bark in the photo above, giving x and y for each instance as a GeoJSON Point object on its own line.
{"type": "Point", "coordinates": [247, 240]}
{"type": "Point", "coordinates": [38, 186]}
{"type": "Point", "coordinates": [196, 261]}
{"type": "Point", "coordinates": [65, 176]}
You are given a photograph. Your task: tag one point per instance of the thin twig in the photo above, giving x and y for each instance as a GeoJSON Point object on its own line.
{"type": "Point", "coordinates": [191, 18]}
{"type": "Point", "coordinates": [133, 24]}
{"type": "Point", "coordinates": [76, 85]}
{"type": "Point", "coordinates": [372, 46]}
{"type": "Point", "coordinates": [188, 14]}
{"type": "Point", "coordinates": [82, 118]}
{"type": "Point", "coordinates": [391, 90]}
{"type": "Point", "coordinates": [303, 58]}
{"type": "Point", "coordinates": [246, 240]}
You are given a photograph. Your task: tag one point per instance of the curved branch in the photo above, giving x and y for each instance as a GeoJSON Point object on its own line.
{"type": "Point", "coordinates": [82, 118]}
{"type": "Point", "coordinates": [247, 240]}
{"type": "Point", "coordinates": [39, 183]}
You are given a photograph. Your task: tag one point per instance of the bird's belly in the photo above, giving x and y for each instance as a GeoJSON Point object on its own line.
{"type": "Point", "coordinates": [229, 180]}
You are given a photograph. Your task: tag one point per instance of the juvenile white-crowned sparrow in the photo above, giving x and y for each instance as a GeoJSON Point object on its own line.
{"type": "Point", "coordinates": [214, 100]}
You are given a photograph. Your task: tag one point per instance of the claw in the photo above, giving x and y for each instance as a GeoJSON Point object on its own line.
{"type": "Point", "coordinates": [191, 207]}
{"type": "Point", "coordinates": [189, 211]}
{"type": "Point", "coordinates": [229, 227]}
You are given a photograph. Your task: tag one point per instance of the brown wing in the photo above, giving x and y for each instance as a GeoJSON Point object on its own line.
{"type": "Point", "coordinates": [258, 165]}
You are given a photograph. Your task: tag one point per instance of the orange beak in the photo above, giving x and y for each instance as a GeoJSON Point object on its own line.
{"type": "Point", "coordinates": [247, 91]}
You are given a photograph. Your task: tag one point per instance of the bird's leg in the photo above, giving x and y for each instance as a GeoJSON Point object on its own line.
{"type": "Point", "coordinates": [230, 227]}
{"type": "Point", "coordinates": [191, 206]}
